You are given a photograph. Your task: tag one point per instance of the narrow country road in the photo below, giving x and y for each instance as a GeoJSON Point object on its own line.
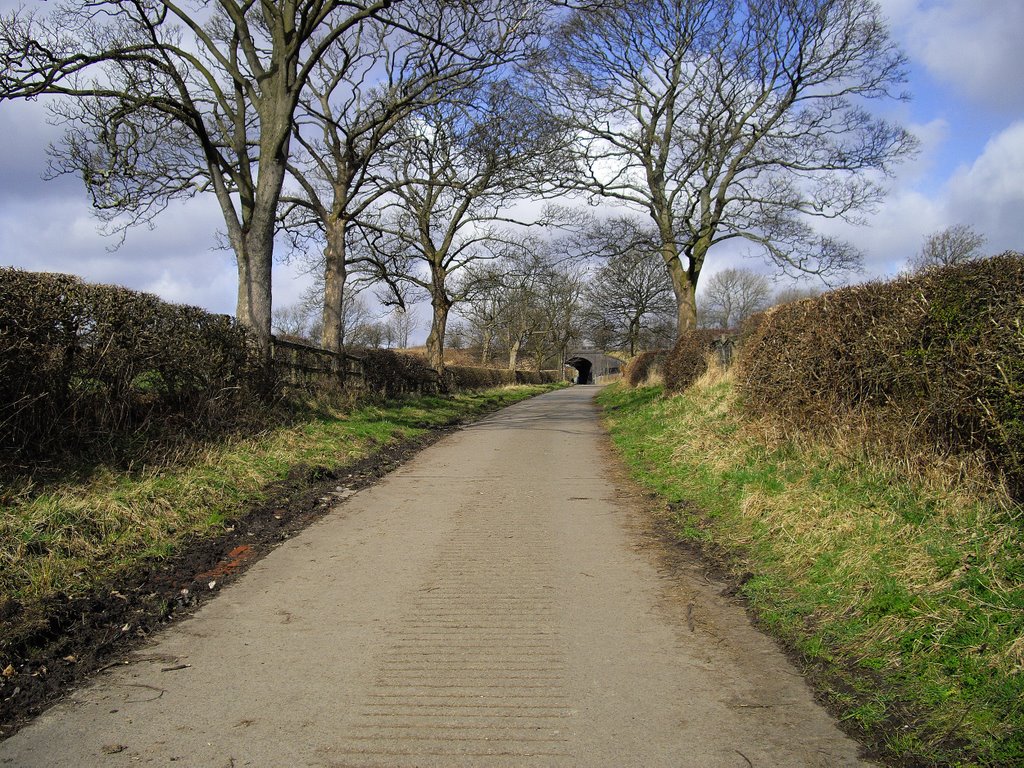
{"type": "Point", "coordinates": [495, 602]}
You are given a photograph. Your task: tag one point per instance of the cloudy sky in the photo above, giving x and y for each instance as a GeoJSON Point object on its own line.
{"type": "Point", "coordinates": [966, 79]}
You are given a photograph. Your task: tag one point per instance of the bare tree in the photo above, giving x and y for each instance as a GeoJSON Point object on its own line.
{"type": "Point", "coordinates": [629, 299]}
{"type": "Point", "coordinates": [400, 326]}
{"type": "Point", "coordinates": [952, 245]}
{"type": "Point", "coordinates": [303, 319]}
{"type": "Point", "coordinates": [559, 307]}
{"type": "Point", "coordinates": [527, 303]}
{"type": "Point", "coordinates": [457, 335]}
{"type": "Point", "coordinates": [726, 120]}
{"type": "Point", "coordinates": [732, 295]}
{"type": "Point", "coordinates": [296, 321]}
{"type": "Point", "coordinates": [518, 299]}
{"type": "Point", "coordinates": [167, 100]}
{"type": "Point", "coordinates": [372, 333]}
{"type": "Point", "coordinates": [362, 91]}
{"type": "Point", "coordinates": [453, 172]}
{"type": "Point", "coordinates": [481, 307]}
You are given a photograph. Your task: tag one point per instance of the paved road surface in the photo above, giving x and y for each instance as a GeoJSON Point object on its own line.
{"type": "Point", "coordinates": [492, 603]}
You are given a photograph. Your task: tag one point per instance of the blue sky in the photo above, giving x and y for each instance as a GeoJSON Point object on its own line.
{"type": "Point", "coordinates": [966, 80]}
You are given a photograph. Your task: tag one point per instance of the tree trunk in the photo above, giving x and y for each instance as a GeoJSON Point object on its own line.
{"type": "Point", "coordinates": [244, 284]}
{"type": "Point", "coordinates": [256, 239]}
{"type": "Point", "coordinates": [485, 347]}
{"type": "Point", "coordinates": [332, 335]}
{"type": "Point", "coordinates": [254, 256]}
{"type": "Point", "coordinates": [686, 299]}
{"type": "Point", "coordinates": [684, 278]}
{"type": "Point", "coordinates": [684, 285]}
{"type": "Point", "coordinates": [435, 340]}
{"type": "Point", "coordinates": [634, 334]}
{"type": "Point", "coordinates": [513, 352]}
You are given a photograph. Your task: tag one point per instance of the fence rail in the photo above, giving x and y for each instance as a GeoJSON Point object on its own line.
{"type": "Point", "coordinates": [302, 365]}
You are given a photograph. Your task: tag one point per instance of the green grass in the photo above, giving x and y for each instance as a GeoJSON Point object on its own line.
{"type": "Point", "coordinates": [904, 594]}
{"type": "Point", "coordinates": [65, 537]}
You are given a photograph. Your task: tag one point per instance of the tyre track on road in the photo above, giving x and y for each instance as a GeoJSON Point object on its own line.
{"type": "Point", "coordinates": [474, 672]}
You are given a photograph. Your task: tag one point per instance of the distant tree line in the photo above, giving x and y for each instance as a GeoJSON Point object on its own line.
{"type": "Point", "coordinates": [408, 145]}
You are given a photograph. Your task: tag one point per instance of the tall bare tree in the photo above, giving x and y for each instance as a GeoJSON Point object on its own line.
{"type": "Point", "coordinates": [303, 318]}
{"type": "Point", "coordinates": [481, 307]}
{"type": "Point", "coordinates": [453, 173]}
{"type": "Point", "coordinates": [629, 299]}
{"type": "Point", "coordinates": [559, 308]}
{"type": "Point", "coordinates": [952, 245]}
{"type": "Point", "coordinates": [400, 326]}
{"type": "Point", "coordinates": [723, 120]}
{"type": "Point", "coordinates": [360, 92]}
{"type": "Point", "coordinates": [526, 303]}
{"type": "Point", "coordinates": [175, 99]}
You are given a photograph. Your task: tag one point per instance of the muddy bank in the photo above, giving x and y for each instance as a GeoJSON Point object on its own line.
{"type": "Point", "coordinates": [43, 660]}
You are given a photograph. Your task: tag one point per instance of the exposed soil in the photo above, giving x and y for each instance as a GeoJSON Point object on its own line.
{"type": "Point", "coordinates": [84, 635]}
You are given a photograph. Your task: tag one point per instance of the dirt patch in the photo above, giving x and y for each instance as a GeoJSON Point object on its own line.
{"type": "Point", "coordinates": [44, 659]}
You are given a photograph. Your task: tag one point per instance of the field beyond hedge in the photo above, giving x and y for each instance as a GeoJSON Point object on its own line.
{"type": "Point", "coordinates": [904, 597]}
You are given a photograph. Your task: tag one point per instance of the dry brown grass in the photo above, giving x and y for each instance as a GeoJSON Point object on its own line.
{"type": "Point", "coordinates": [904, 561]}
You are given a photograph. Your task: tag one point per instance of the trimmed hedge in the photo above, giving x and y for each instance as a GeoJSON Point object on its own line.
{"type": "Point", "coordinates": [388, 374]}
{"type": "Point", "coordinates": [466, 378]}
{"type": "Point", "coordinates": [641, 367]}
{"type": "Point", "coordinates": [86, 364]}
{"type": "Point", "coordinates": [106, 373]}
{"type": "Point", "coordinates": [941, 354]}
{"type": "Point", "coordinates": [688, 359]}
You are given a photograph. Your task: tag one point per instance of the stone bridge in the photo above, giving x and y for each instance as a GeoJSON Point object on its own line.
{"type": "Point", "coordinates": [591, 364]}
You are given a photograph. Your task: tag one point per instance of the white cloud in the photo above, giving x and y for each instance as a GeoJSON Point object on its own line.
{"type": "Point", "coordinates": [933, 137]}
{"type": "Point", "coordinates": [893, 233]}
{"type": "Point", "coordinates": [48, 226]}
{"type": "Point", "coordinates": [26, 135]}
{"type": "Point", "coordinates": [973, 46]}
{"type": "Point", "coordinates": [174, 260]}
{"type": "Point", "coordinates": [969, 45]}
{"type": "Point", "coordinates": [988, 194]}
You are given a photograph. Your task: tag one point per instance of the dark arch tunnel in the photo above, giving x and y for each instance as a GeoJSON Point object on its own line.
{"type": "Point", "coordinates": [584, 369]}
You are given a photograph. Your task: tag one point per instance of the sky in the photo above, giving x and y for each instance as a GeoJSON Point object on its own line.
{"type": "Point", "coordinates": [966, 79]}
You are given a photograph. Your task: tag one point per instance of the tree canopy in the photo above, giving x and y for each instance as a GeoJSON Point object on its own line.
{"type": "Point", "coordinates": [727, 120]}
{"type": "Point", "coordinates": [397, 136]}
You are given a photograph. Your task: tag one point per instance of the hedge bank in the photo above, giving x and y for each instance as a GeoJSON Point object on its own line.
{"type": "Point", "coordinates": [107, 373]}
{"type": "Point", "coordinates": [644, 367]}
{"type": "Point", "coordinates": [82, 365]}
{"type": "Point", "coordinates": [936, 358]}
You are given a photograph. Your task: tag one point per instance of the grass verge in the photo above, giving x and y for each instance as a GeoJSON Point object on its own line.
{"type": "Point", "coordinates": [903, 596]}
{"type": "Point", "coordinates": [65, 538]}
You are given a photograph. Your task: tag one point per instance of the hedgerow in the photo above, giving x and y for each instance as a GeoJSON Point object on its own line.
{"type": "Point", "coordinates": [82, 366]}
{"type": "Point", "coordinates": [688, 359]}
{"type": "Point", "coordinates": [938, 357]}
{"type": "Point", "coordinates": [644, 366]}
{"type": "Point", "coordinates": [100, 372]}
{"type": "Point", "coordinates": [463, 378]}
